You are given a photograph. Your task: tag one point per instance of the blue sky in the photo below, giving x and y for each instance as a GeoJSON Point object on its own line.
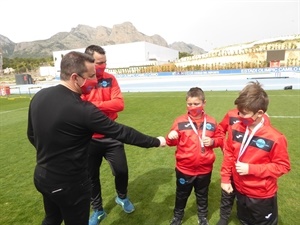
{"type": "Point", "coordinates": [205, 23]}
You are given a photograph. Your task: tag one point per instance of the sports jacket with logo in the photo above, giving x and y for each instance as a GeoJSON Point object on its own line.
{"type": "Point", "coordinates": [266, 155]}
{"type": "Point", "coordinates": [190, 158]}
{"type": "Point", "coordinates": [232, 117]}
{"type": "Point", "coordinates": [107, 97]}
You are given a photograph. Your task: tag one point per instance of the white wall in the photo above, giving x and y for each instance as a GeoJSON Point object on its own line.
{"type": "Point", "coordinates": [124, 55]}
{"type": "Point", "coordinates": [47, 71]}
{"type": "Point", "coordinates": [160, 53]}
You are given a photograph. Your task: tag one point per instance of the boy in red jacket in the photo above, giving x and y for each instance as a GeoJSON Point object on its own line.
{"type": "Point", "coordinates": [194, 134]}
{"type": "Point", "coordinates": [227, 199]}
{"type": "Point", "coordinates": [255, 155]}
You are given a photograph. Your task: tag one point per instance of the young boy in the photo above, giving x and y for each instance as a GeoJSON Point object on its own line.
{"type": "Point", "coordinates": [255, 155]}
{"type": "Point", "coordinates": [194, 135]}
{"type": "Point", "coordinates": [227, 199]}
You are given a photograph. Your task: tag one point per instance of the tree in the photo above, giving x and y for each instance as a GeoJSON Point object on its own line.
{"type": "Point", "coordinates": [26, 64]}
{"type": "Point", "coordinates": [184, 54]}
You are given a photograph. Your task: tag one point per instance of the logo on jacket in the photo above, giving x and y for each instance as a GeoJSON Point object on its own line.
{"type": "Point", "coordinates": [187, 125]}
{"type": "Point", "coordinates": [260, 143]}
{"type": "Point", "coordinates": [238, 136]}
{"type": "Point", "coordinates": [233, 120]}
{"type": "Point", "coordinates": [208, 126]}
{"type": "Point", "coordinates": [268, 216]}
{"type": "Point", "coordinates": [104, 83]}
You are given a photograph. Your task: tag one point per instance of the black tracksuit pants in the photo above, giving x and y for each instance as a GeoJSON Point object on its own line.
{"type": "Point", "coordinates": [63, 200]}
{"type": "Point", "coordinates": [114, 152]}
{"type": "Point", "coordinates": [227, 201]}
{"type": "Point", "coordinates": [184, 186]}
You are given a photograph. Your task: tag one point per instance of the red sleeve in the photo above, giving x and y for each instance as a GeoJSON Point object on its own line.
{"type": "Point", "coordinates": [218, 135]}
{"type": "Point", "coordinates": [173, 142]}
{"type": "Point", "coordinates": [223, 125]}
{"type": "Point", "coordinates": [279, 161]}
{"type": "Point", "coordinates": [226, 123]}
{"type": "Point", "coordinates": [228, 159]}
{"type": "Point", "coordinates": [221, 131]}
{"type": "Point", "coordinates": [219, 138]}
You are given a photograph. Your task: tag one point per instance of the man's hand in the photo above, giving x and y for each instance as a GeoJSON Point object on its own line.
{"type": "Point", "coordinates": [173, 135]}
{"type": "Point", "coordinates": [227, 187]}
{"type": "Point", "coordinates": [242, 168]}
{"type": "Point", "coordinates": [162, 141]}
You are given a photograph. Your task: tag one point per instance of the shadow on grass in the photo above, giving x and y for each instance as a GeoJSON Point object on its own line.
{"type": "Point", "coordinates": [153, 195]}
{"type": "Point", "coordinates": [214, 197]}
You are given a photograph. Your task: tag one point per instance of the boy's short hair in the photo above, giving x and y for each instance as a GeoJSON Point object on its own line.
{"type": "Point", "coordinates": [252, 98]}
{"type": "Point", "coordinates": [195, 92]}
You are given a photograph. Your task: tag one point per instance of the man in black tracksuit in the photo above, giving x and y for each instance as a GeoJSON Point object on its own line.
{"type": "Point", "coordinates": [60, 127]}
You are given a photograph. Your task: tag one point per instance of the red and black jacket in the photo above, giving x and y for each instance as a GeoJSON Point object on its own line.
{"type": "Point", "coordinates": [190, 159]}
{"type": "Point", "coordinates": [266, 155]}
{"type": "Point", "coordinates": [107, 97]}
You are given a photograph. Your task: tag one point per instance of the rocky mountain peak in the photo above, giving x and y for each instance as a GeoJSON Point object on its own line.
{"type": "Point", "coordinates": [84, 35]}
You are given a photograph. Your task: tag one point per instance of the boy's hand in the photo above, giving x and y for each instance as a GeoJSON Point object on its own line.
{"type": "Point", "coordinates": [173, 135]}
{"type": "Point", "coordinates": [207, 141]}
{"type": "Point", "coordinates": [227, 187]}
{"type": "Point", "coordinates": [242, 168]}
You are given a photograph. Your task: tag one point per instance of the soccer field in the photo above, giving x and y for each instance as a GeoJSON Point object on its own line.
{"type": "Point", "coordinates": [151, 171]}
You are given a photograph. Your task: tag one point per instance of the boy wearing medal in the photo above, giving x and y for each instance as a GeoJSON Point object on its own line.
{"type": "Point", "coordinates": [194, 135]}
{"type": "Point", "coordinates": [255, 156]}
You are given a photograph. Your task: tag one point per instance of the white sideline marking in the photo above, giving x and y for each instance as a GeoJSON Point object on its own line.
{"type": "Point", "coordinates": [13, 110]}
{"type": "Point", "coordinates": [286, 117]}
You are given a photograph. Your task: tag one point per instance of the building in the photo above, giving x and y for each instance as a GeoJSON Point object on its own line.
{"type": "Point", "coordinates": [47, 71]}
{"type": "Point", "coordinates": [247, 55]}
{"type": "Point", "coordinates": [129, 56]}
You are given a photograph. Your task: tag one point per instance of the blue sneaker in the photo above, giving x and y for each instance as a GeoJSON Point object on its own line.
{"type": "Point", "coordinates": [97, 217]}
{"type": "Point", "coordinates": [126, 204]}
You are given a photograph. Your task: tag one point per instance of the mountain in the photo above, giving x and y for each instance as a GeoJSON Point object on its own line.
{"type": "Point", "coordinates": [82, 36]}
{"type": "Point", "coordinates": [189, 48]}
{"type": "Point", "coordinates": [7, 46]}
